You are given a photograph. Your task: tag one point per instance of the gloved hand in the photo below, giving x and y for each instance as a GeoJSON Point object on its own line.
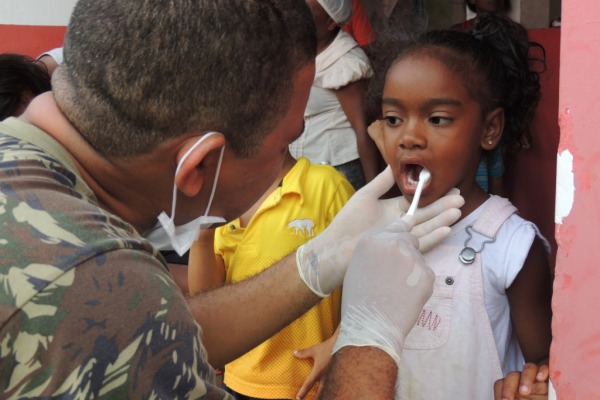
{"type": "Point", "coordinates": [323, 260]}
{"type": "Point", "coordinates": [385, 288]}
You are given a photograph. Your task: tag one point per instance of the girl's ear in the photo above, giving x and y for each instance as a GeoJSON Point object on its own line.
{"type": "Point", "coordinates": [190, 176]}
{"type": "Point", "coordinates": [375, 131]}
{"type": "Point", "coordinates": [493, 127]}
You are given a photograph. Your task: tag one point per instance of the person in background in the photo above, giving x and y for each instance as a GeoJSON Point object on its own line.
{"type": "Point", "coordinates": [145, 128]}
{"type": "Point", "coordinates": [359, 26]}
{"type": "Point", "coordinates": [481, 7]}
{"type": "Point", "coordinates": [52, 59]}
{"type": "Point", "coordinates": [300, 204]}
{"type": "Point", "coordinates": [335, 125]}
{"type": "Point", "coordinates": [21, 79]}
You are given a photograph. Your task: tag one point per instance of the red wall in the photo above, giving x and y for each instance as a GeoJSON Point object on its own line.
{"type": "Point", "coordinates": [575, 352]}
{"type": "Point", "coordinates": [530, 177]}
{"type": "Point", "coordinates": [30, 40]}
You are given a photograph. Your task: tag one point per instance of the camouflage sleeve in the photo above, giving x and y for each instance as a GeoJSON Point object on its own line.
{"type": "Point", "coordinates": [115, 326]}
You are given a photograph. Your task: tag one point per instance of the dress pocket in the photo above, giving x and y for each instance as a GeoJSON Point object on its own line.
{"type": "Point", "coordinates": [432, 328]}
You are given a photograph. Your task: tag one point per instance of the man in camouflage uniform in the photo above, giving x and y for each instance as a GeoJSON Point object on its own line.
{"type": "Point", "coordinates": [87, 306]}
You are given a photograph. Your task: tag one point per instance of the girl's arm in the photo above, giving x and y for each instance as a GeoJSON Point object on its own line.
{"type": "Point", "coordinates": [205, 269]}
{"type": "Point", "coordinates": [352, 97]}
{"type": "Point", "coordinates": [530, 305]}
{"type": "Point", "coordinates": [321, 355]}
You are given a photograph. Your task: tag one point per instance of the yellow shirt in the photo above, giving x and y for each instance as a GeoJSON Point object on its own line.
{"type": "Point", "coordinates": [300, 208]}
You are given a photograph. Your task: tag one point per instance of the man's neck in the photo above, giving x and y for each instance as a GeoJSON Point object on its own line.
{"type": "Point", "coordinates": [119, 190]}
{"type": "Point", "coordinates": [288, 164]}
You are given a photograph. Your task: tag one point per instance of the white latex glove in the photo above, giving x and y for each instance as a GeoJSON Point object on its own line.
{"type": "Point", "coordinates": [323, 260]}
{"type": "Point", "coordinates": [385, 288]}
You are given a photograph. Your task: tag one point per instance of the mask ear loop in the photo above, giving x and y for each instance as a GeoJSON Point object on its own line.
{"type": "Point", "coordinates": [214, 187]}
{"type": "Point", "coordinates": [187, 153]}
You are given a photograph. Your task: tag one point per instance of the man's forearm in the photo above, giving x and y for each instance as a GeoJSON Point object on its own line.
{"type": "Point", "coordinates": [360, 373]}
{"type": "Point", "coordinates": [236, 318]}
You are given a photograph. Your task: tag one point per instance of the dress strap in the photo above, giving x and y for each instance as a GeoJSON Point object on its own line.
{"type": "Point", "coordinates": [496, 211]}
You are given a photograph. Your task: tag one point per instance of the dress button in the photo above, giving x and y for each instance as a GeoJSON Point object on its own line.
{"type": "Point", "coordinates": [449, 280]}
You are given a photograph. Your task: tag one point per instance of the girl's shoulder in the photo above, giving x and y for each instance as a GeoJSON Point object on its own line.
{"type": "Point", "coordinates": [506, 256]}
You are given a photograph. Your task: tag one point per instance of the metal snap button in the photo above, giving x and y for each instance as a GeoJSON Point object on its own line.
{"type": "Point", "coordinates": [467, 255]}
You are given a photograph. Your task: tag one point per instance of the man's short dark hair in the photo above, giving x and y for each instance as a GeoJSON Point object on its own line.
{"type": "Point", "coordinates": [137, 73]}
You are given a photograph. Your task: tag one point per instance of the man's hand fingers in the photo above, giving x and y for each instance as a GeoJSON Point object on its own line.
{"type": "Point", "coordinates": [446, 218]}
{"type": "Point", "coordinates": [380, 185]}
{"type": "Point", "coordinates": [454, 201]}
{"type": "Point", "coordinates": [435, 230]}
{"type": "Point", "coordinates": [432, 239]}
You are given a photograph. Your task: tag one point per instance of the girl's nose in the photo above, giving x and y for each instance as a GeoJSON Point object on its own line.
{"type": "Point", "coordinates": [412, 137]}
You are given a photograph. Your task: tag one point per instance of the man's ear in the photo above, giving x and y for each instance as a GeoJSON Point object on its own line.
{"type": "Point", "coordinates": [375, 131]}
{"type": "Point", "coordinates": [493, 127]}
{"type": "Point", "coordinates": [190, 177]}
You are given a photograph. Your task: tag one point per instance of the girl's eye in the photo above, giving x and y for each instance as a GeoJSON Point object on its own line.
{"type": "Point", "coordinates": [392, 121]}
{"type": "Point", "coordinates": [437, 120]}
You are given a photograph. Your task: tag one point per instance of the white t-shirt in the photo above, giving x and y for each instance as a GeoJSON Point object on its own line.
{"type": "Point", "coordinates": [328, 137]}
{"type": "Point", "coordinates": [56, 54]}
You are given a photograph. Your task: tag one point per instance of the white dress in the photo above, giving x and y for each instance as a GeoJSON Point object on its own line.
{"type": "Point", "coordinates": [463, 340]}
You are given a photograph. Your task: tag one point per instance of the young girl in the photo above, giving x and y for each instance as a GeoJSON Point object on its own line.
{"type": "Point", "coordinates": [447, 98]}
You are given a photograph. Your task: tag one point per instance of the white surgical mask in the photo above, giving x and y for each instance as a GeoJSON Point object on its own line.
{"type": "Point", "coordinates": [166, 235]}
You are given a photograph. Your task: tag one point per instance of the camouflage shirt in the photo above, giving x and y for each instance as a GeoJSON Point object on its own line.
{"type": "Point", "coordinates": [87, 307]}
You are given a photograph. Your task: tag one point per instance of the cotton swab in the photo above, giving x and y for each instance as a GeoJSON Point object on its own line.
{"type": "Point", "coordinates": [424, 177]}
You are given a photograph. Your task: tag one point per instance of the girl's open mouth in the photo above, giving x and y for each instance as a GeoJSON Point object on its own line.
{"type": "Point", "coordinates": [410, 177]}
